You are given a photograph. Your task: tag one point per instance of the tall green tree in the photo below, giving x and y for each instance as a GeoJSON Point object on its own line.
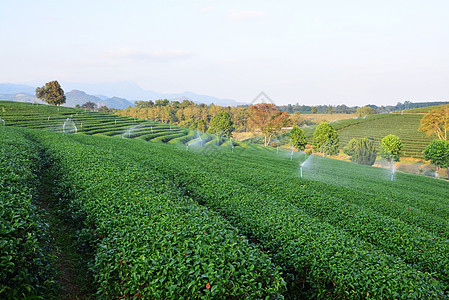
{"type": "Point", "coordinates": [298, 138]}
{"type": "Point", "coordinates": [51, 93]}
{"type": "Point", "coordinates": [202, 126]}
{"type": "Point", "coordinates": [391, 148]}
{"type": "Point", "coordinates": [362, 151]}
{"type": "Point", "coordinates": [349, 149]}
{"type": "Point", "coordinates": [221, 124]}
{"type": "Point", "coordinates": [325, 139]}
{"type": "Point", "coordinates": [438, 154]}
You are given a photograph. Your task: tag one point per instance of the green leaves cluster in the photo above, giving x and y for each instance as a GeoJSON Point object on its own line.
{"type": "Point", "coordinates": [149, 239]}
{"type": "Point", "coordinates": [438, 154]}
{"type": "Point", "coordinates": [362, 151]}
{"type": "Point", "coordinates": [51, 93]}
{"type": "Point", "coordinates": [220, 124]}
{"type": "Point", "coordinates": [298, 138]}
{"type": "Point", "coordinates": [26, 270]}
{"type": "Point", "coordinates": [325, 139]}
{"type": "Point", "coordinates": [391, 148]}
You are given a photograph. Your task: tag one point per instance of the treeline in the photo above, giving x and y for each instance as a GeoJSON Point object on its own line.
{"type": "Point", "coordinates": [343, 109]}
{"type": "Point", "coordinates": [319, 109]}
{"type": "Point", "coordinates": [188, 114]}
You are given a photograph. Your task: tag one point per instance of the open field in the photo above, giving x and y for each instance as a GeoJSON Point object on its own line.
{"type": "Point", "coordinates": [154, 220]}
{"type": "Point", "coordinates": [318, 118]}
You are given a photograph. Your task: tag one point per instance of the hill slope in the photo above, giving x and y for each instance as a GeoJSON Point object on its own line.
{"type": "Point", "coordinates": [405, 126]}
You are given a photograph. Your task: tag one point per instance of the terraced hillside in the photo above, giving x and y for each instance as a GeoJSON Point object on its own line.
{"type": "Point", "coordinates": [60, 119]}
{"type": "Point", "coordinates": [405, 126]}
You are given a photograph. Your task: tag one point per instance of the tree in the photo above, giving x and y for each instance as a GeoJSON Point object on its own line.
{"type": "Point", "coordinates": [325, 139]}
{"type": "Point", "coordinates": [391, 148]}
{"type": "Point", "coordinates": [314, 110]}
{"type": "Point", "coordinates": [202, 125]}
{"type": "Point", "coordinates": [267, 119]}
{"type": "Point", "coordinates": [89, 105]}
{"type": "Point", "coordinates": [51, 93]}
{"type": "Point", "coordinates": [436, 122]}
{"type": "Point", "coordinates": [362, 151]}
{"type": "Point", "coordinates": [330, 110]}
{"type": "Point", "coordinates": [438, 154]}
{"type": "Point", "coordinates": [221, 124]}
{"type": "Point", "coordinates": [349, 149]}
{"type": "Point", "coordinates": [298, 138]}
{"type": "Point", "coordinates": [365, 111]}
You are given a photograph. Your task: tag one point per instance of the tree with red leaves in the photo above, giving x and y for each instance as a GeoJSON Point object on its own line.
{"type": "Point", "coordinates": [267, 119]}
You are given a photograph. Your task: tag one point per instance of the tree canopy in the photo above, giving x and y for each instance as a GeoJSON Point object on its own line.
{"type": "Point", "coordinates": [221, 124]}
{"type": "Point", "coordinates": [436, 122]}
{"type": "Point", "coordinates": [298, 138]}
{"type": "Point", "coordinates": [362, 151]}
{"type": "Point", "coordinates": [391, 148]}
{"type": "Point", "coordinates": [267, 119]}
{"type": "Point", "coordinates": [365, 111]}
{"type": "Point", "coordinates": [325, 139]}
{"type": "Point", "coordinates": [438, 154]}
{"type": "Point", "coordinates": [51, 93]}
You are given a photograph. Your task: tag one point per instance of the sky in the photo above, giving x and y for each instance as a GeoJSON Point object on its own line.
{"type": "Point", "coordinates": [306, 52]}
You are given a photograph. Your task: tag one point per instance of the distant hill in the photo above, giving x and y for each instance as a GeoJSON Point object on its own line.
{"type": "Point", "coordinates": [76, 97]}
{"type": "Point", "coordinates": [115, 102]}
{"type": "Point", "coordinates": [127, 92]}
{"type": "Point", "coordinates": [425, 109]}
{"type": "Point", "coordinates": [12, 88]}
{"type": "Point", "coordinates": [21, 97]}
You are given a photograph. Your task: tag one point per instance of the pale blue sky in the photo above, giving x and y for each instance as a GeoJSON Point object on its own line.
{"type": "Point", "coordinates": [311, 52]}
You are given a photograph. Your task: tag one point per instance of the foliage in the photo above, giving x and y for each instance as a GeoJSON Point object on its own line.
{"type": "Point", "coordinates": [436, 122]}
{"type": "Point", "coordinates": [267, 119]}
{"type": "Point", "coordinates": [314, 110]}
{"type": "Point", "coordinates": [362, 151]}
{"type": "Point", "coordinates": [51, 93]}
{"type": "Point", "coordinates": [89, 105]}
{"type": "Point", "coordinates": [186, 114]}
{"type": "Point", "coordinates": [349, 149]}
{"type": "Point", "coordinates": [391, 148]}
{"type": "Point", "coordinates": [149, 239]}
{"type": "Point", "coordinates": [298, 138]}
{"type": "Point", "coordinates": [438, 154]}
{"type": "Point", "coordinates": [378, 126]}
{"type": "Point", "coordinates": [330, 110]}
{"type": "Point", "coordinates": [25, 259]}
{"type": "Point", "coordinates": [221, 124]}
{"type": "Point", "coordinates": [365, 111]}
{"type": "Point", "coordinates": [348, 232]}
{"type": "Point", "coordinates": [202, 125]}
{"type": "Point", "coordinates": [325, 139]}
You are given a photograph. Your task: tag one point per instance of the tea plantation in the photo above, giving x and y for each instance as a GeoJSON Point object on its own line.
{"type": "Point", "coordinates": [156, 220]}
{"type": "Point", "coordinates": [405, 126]}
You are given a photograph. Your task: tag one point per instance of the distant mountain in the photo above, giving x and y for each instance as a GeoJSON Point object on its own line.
{"type": "Point", "coordinates": [115, 102]}
{"type": "Point", "coordinates": [76, 97]}
{"type": "Point", "coordinates": [12, 88]}
{"type": "Point", "coordinates": [133, 92]}
{"type": "Point", "coordinates": [21, 97]}
{"type": "Point", "coordinates": [125, 93]}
